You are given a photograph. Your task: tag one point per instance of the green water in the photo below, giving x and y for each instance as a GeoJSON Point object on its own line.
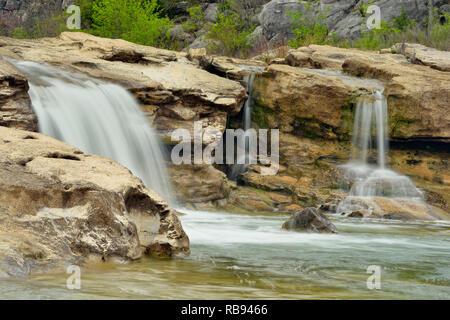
{"type": "Point", "coordinates": [250, 257]}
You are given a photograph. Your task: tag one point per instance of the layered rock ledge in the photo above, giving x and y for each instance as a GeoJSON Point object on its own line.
{"type": "Point", "coordinates": [59, 206]}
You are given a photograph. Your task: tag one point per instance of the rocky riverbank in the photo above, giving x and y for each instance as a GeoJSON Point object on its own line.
{"type": "Point", "coordinates": [310, 95]}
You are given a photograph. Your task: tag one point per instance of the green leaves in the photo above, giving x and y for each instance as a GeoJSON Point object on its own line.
{"type": "Point", "coordinates": [309, 26]}
{"type": "Point", "coordinates": [137, 21]}
{"type": "Point", "coordinates": [228, 35]}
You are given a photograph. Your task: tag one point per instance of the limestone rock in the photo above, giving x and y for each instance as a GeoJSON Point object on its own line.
{"type": "Point", "coordinates": [310, 220]}
{"type": "Point", "coordinates": [15, 104]}
{"type": "Point", "coordinates": [59, 206]}
{"type": "Point", "coordinates": [423, 55]}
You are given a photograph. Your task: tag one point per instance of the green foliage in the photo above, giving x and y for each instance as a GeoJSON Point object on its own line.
{"type": "Point", "coordinates": [363, 8]}
{"type": "Point", "coordinates": [404, 30]}
{"type": "Point", "coordinates": [228, 35]}
{"type": "Point", "coordinates": [136, 21]}
{"type": "Point", "coordinates": [196, 19]}
{"type": "Point", "coordinates": [402, 22]}
{"type": "Point", "coordinates": [309, 26]}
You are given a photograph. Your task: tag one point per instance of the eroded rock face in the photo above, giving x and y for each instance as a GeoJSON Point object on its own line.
{"type": "Point", "coordinates": [15, 104]}
{"type": "Point", "coordinates": [311, 220]}
{"type": "Point", "coordinates": [59, 206]}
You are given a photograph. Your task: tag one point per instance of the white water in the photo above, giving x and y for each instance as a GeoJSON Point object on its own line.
{"type": "Point", "coordinates": [98, 118]}
{"type": "Point", "coordinates": [370, 135]}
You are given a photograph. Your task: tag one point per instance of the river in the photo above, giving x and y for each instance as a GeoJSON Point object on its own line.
{"type": "Point", "coordinates": [235, 256]}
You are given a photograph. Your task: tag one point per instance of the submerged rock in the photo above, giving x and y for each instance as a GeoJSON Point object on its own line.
{"type": "Point", "coordinates": [311, 220]}
{"type": "Point", "coordinates": [59, 206]}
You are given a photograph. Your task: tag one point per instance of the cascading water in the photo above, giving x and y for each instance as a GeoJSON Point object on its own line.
{"type": "Point", "coordinates": [98, 118]}
{"type": "Point", "coordinates": [249, 80]}
{"type": "Point", "coordinates": [373, 180]}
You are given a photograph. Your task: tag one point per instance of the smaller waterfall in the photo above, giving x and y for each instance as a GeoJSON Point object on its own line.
{"type": "Point", "coordinates": [98, 118]}
{"type": "Point", "coordinates": [371, 114]}
{"type": "Point", "coordinates": [249, 80]}
{"type": "Point", "coordinates": [373, 180]}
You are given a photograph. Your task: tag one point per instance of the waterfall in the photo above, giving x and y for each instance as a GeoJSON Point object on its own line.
{"type": "Point", "coordinates": [373, 180]}
{"type": "Point", "coordinates": [371, 112]}
{"type": "Point", "coordinates": [249, 80]}
{"type": "Point", "coordinates": [98, 118]}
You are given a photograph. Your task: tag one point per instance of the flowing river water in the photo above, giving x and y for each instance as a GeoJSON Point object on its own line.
{"type": "Point", "coordinates": [236, 256]}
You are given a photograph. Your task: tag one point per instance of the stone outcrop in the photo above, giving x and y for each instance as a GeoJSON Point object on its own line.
{"type": "Point", "coordinates": [311, 220]}
{"type": "Point", "coordinates": [15, 104]}
{"type": "Point", "coordinates": [59, 206]}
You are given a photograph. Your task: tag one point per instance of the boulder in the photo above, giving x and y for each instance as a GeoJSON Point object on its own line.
{"type": "Point", "coordinates": [199, 183]}
{"type": "Point", "coordinates": [311, 220]}
{"type": "Point", "coordinates": [59, 206]}
{"type": "Point", "coordinates": [15, 104]}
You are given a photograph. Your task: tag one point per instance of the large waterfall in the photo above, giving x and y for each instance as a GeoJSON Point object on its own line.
{"type": "Point", "coordinates": [98, 118]}
{"type": "Point", "coordinates": [367, 171]}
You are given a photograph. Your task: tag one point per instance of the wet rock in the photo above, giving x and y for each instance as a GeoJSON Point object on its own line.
{"type": "Point", "coordinates": [59, 206]}
{"type": "Point", "coordinates": [329, 207]}
{"type": "Point", "coordinates": [310, 220]}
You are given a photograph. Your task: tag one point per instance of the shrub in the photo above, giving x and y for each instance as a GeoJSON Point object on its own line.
{"type": "Point", "coordinates": [228, 35]}
{"type": "Point", "coordinates": [196, 19]}
{"type": "Point", "coordinates": [136, 21]}
{"type": "Point", "coordinates": [309, 26]}
{"type": "Point", "coordinates": [404, 30]}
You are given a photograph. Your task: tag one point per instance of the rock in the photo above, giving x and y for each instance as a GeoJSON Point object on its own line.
{"type": "Point", "coordinates": [286, 95]}
{"type": "Point", "coordinates": [59, 206]}
{"type": "Point", "coordinates": [278, 183]}
{"type": "Point", "coordinates": [399, 209]}
{"type": "Point", "coordinates": [158, 77]}
{"type": "Point", "coordinates": [211, 12]}
{"type": "Point", "coordinates": [416, 97]}
{"type": "Point", "coordinates": [178, 34]}
{"type": "Point", "coordinates": [358, 214]}
{"type": "Point", "coordinates": [310, 220]}
{"type": "Point", "coordinates": [329, 207]}
{"type": "Point", "coordinates": [422, 55]}
{"type": "Point", "coordinates": [199, 183]}
{"type": "Point", "coordinates": [275, 21]}
{"type": "Point", "coordinates": [15, 104]}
